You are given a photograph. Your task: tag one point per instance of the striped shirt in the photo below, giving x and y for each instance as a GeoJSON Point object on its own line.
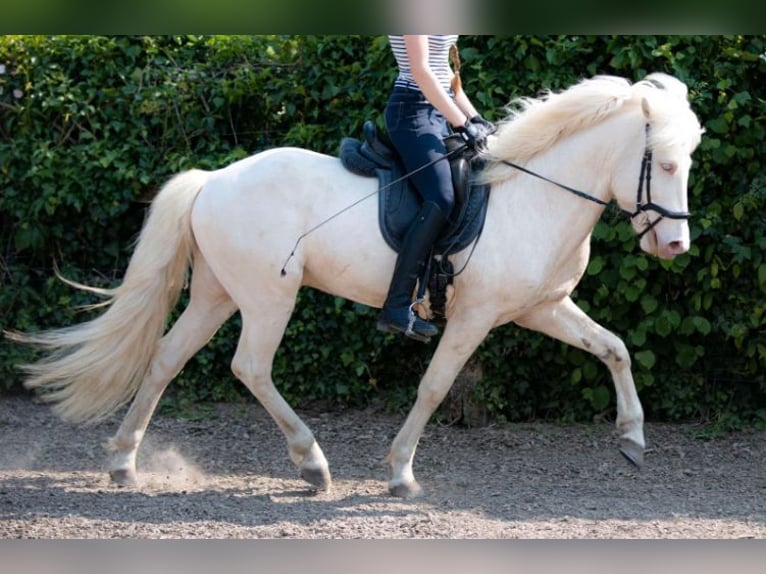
{"type": "Point", "coordinates": [438, 60]}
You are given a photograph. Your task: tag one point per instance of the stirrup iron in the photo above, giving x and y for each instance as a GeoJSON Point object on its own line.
{"type": "Point", "coordinates": [412, 316]}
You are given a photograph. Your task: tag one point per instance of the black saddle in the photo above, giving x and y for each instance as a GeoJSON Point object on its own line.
{"type": "Point", "coordinates": [399, 203]}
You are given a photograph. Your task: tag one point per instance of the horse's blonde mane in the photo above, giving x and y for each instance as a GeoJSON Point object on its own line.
{"type": "Point", "coordinates": [536, 124]}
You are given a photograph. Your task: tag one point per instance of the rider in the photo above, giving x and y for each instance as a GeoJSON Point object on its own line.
{"type": "Point", "coordinates": [427, 94]}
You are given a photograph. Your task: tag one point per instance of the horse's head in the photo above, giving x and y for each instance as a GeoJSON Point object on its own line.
{"type": "Point", "coordinates": [660, 208]}
{"type": "Point", "coordinates": [647, 125]}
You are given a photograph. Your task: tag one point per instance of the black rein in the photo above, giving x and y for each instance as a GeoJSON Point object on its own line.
{"type": "Point", "coordinates": [644, 181]}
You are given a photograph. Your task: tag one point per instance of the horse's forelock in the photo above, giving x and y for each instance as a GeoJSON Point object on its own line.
{"type": "Point", "coordinates": [671, 118]}
{"type": "Point", "coordinates": [662, 81]}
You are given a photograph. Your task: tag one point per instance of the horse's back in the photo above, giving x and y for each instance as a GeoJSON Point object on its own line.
{"type": "Point", "coordinates": [269, 179]}
{"type": "Point", "coordinates": [250, 214]}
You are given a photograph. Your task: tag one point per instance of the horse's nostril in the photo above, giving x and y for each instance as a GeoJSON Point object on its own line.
{"type": "Point", "coordinates": [677, 246]}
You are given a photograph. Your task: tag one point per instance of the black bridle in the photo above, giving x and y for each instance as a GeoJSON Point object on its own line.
{"type": "Point", "coordinates": [644, 182]}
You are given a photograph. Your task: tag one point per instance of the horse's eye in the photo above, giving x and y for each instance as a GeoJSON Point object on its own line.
{"type": "Point", "coordinates": [668, 166]}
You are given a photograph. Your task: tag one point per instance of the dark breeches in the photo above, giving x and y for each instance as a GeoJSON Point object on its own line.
{"type": "Point", "coordinates": [417, 131]}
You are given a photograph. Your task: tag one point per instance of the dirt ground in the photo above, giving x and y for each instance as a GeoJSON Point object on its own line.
{"type": "Point", "coordinates": [228, 476]}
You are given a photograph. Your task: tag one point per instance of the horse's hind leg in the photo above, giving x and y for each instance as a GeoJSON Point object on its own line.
{"type": "Point", "coordinates": [263, 324]}
{"type": "Point", "coordinates": [566, 322]}
{"type": "Point", "coordinates": [209, 307]}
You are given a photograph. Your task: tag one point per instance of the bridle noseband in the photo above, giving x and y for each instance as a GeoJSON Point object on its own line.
{"type": "Point", "coordinates": [644, 182]}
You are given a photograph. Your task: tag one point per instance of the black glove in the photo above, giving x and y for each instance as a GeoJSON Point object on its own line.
{"type": "Point", "coordinates": [475, 136]}
{"type": "Point", "coordinates": [480, 121]}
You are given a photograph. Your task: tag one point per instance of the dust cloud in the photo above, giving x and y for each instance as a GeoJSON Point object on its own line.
{"type": "Point", "coordinates": [168, 470]}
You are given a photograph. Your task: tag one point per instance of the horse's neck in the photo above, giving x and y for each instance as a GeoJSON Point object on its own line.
{"type": "Point", "coordinates": [586, 161]}
{"type": "Point", "coordinates": [527, 199]}
{"type": "Point", "coordinates": [549, 226]}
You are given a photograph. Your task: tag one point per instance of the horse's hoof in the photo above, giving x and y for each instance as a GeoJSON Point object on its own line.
{"type": "Point", "coordinates": [319, 478]}
{"type": "Point", "coordinates": [406, 490]}
{"type": "Point", "coordinates": [124, 477]}
{"type": "Point", "coordinates": [633, 452]}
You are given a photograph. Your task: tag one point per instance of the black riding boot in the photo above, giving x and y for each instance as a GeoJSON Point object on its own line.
{"type": "Point", "coordinates": [397, 316]}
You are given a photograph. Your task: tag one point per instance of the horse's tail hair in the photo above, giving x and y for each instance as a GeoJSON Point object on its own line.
{"type": "Point", "coordinates": [94, 368]}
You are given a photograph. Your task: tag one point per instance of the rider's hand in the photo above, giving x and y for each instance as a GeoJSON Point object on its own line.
{"type": "Point", "coordinates": [487, 125]}
{"type": "Point", "coordinates": [475, 135]}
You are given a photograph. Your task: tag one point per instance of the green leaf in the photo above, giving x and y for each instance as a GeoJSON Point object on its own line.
{"type": "Point", "coordinates": [645, 358]}
{"type": "Point", "coordinates": [590, 370]}
{"type": "Point", "coordinates": [718, 125]}
{"type": "Point", "coordinates": [666, 323]}
{"type": "Point", "coordinates": [702, 325]}
{"type": "Point", "coordinates": [637, 337]}
{"type": "Point", "coordinates": [687, 355]}
{"type": "Point", "coordinates": [643, 379]}
{"type": "Point", "coordinates": [633, 292]}
{"type": "Point", "coordinates": [599, 397]}
{"type": "Point", "coordinates": [628, 271]}
{"type": "Point", "coordinates": [649, 304]}
{"type": "Point", "coordinates": [762, 276]}
{"type": "Point", "coordinates": [595, 266]}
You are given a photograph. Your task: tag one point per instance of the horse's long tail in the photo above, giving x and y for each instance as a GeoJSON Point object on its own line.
{"type": "Point", "coordinates": [94, 368]}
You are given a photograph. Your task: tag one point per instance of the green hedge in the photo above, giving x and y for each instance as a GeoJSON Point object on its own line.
{"type": "Point", "coordinates": [90, 127]}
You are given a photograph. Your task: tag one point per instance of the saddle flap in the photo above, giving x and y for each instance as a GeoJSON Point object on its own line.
{"type": "Point", "coordinates": [399, 203]}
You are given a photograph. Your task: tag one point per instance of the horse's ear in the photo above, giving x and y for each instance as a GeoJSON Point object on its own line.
{"type": "Point", "coordinates": [645, 108]}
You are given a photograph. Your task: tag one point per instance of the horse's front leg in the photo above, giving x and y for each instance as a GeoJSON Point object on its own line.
{"type": "Point", "coordinates": [566, 322]}
{"type": "Point", "coordinates": [460, 339]}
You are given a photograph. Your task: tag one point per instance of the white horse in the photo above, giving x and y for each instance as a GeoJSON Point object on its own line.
{"type": "Point", "coordinates": [237, 225]}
